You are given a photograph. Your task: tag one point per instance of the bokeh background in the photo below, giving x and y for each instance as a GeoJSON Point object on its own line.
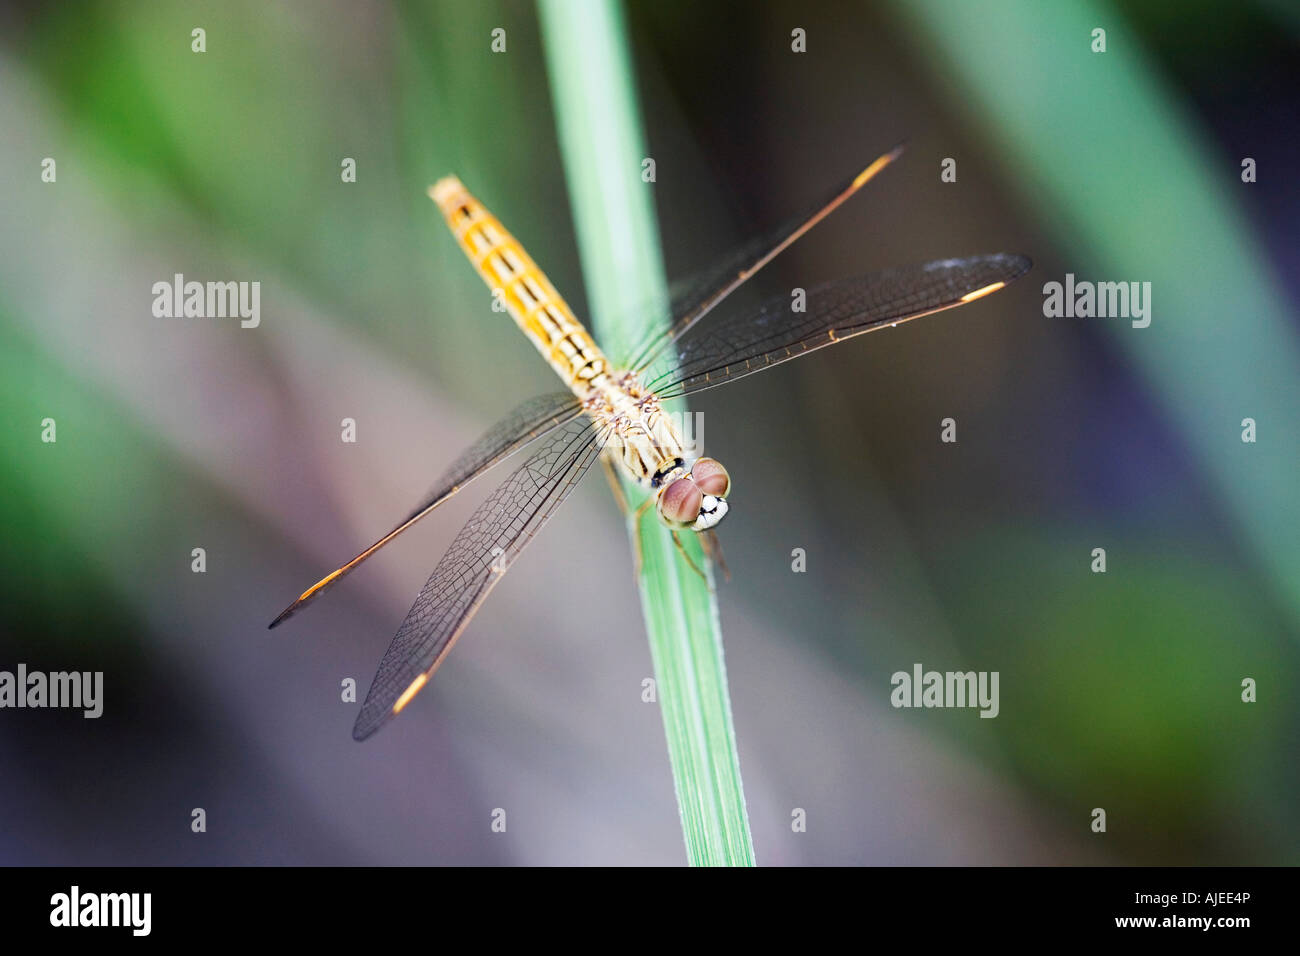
{"type": "Point", "coordinates": [1119, 691]}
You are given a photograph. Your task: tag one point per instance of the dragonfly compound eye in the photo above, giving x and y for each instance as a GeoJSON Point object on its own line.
{"type": "Point", "coordinates": [711, 477]}
{"type": "Point", "coordinates": [680, 503]}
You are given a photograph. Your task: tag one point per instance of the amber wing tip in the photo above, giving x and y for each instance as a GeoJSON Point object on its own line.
{"type": "Point", "coordinates": [877, 165]}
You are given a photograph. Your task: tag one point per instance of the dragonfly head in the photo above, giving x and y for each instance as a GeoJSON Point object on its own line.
{"type": "Point", "coordinates": [696, 500]}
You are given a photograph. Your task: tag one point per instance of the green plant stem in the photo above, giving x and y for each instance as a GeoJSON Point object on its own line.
{"type": "Point", "coordinates": [603, 148]}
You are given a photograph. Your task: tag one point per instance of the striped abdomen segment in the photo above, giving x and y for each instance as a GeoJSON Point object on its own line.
{"type": "Point", "coordinates": [527, 294]}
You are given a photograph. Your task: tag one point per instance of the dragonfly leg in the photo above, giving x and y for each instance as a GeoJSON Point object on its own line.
{"type": "Point", "coordinates": [620, 499]}
{"type": "Point", "coordinates": [694, 567]}
{"type": "Point", "coordinates": [641, 509]}
{"type": "Point", "coordinates": [636, 521]}
{"type": "Point", "coordinates": [615, 485]}
{"type": "Point", "coordinates": [713, 551]}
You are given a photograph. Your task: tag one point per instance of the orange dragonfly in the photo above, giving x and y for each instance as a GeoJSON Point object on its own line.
{"type": "Point", "coordinates": [613, 411]}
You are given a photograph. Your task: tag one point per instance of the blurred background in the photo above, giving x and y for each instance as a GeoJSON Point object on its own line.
{"type": "Point", "coordinates": [1119, 690]}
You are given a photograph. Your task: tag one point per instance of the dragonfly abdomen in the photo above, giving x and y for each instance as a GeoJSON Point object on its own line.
{"type": "Point", "coordinates": [539, 311]}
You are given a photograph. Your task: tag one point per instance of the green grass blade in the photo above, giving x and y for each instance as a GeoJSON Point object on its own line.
{"type": "Point", "coordinates": [603, 148]}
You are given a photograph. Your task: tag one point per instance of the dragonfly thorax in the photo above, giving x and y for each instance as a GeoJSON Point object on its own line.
{"type": "Point", "coordinates": [646, 442]}
{"type": "Point", "coordinates": [643, 438]}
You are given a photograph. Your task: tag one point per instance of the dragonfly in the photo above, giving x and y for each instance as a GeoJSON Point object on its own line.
{"type": "Point", "coordinates": [614, 412]}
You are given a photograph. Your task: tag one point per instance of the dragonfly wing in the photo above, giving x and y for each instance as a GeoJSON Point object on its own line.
{"type": "Point", "coordinates": [479, 556]}
{"type": "Point", "coordinates": [736, 346]}
{"type": "Point", "coordinates": [526, 423]}
{"type": "Point", "coordinates": [529, 421]}
{"type": "Point", "coordinates": [696, 297]}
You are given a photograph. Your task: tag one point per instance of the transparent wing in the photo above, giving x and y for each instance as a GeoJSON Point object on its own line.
{"type": "Point", "coordinates": [481, 553]}
{"type": "Point", "coordinates": [735, 346]}
{"type": "Point", "coordinates": [526, 423]}
{"type": "Point", "coordinates": [696, 297]}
